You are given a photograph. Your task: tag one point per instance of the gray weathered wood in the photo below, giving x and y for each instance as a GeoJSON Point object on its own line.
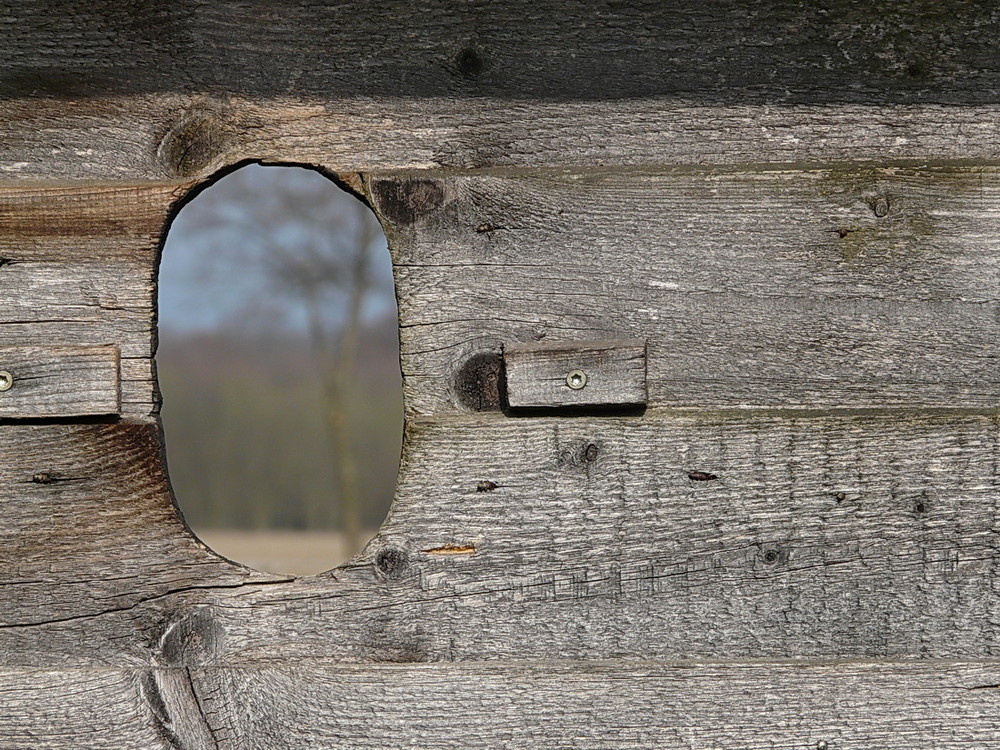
{"type": "Point", "coordinates": [882, 315]}
{"type": "Point", "coordinates": [763, 288]}
{"type": "Point", "coordinates": [838, 52]}
{"type": "Point", "coordinates": [537, 375]}
{"type": "Point", "coordinates": [60, 381]}
{"type": "Point", "coordinates": [551, 704]}
{"type": "Point", "coordinates": [164, 136]}
{"type": "Point", "coordinates": [667, 536]}
{"type": "Point", "coordinates": [815, 476]}
{"type": "Point", "coordinates": [88, 520]}
{"type": "Point", "coordinates": [77, 268]}
{"type": "Point", "coordinates": [113, 93]}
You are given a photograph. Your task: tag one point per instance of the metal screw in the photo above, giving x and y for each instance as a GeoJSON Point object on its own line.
{"type": "Point", "coordinates": [822, 745]}
{"type": "Point", "coordinates": [6, 380]}
{"type": "Point", "coordinates": [576, 379]}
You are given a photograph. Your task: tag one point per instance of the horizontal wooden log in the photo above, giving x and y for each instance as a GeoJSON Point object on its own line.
{"type": "Point", "coordinates": [59, 382]}
{"type": "Point", "coordinates": [726, 705]}
{"type": "Point", "coordinates": [695, 536]}
{"type": "Point", "coordinates": [847, 287]}
{"type": "Point", "coordinates": [857, 288]}
{"type": "Point", "coordinates": [167, 136]}
{"type": "Point", "coordinates": [106, 94]}
{"type": "Point", "coordinates": [839, 51]}
{"type": "Point", "coordinates": [576, 374]}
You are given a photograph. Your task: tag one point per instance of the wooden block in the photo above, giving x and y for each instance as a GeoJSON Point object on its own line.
{"type": "Point", "coordinates": [576, 373]}
{"type": "Point", "coordinates": [59, 381]}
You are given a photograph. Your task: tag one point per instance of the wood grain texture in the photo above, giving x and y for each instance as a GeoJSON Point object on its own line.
{"type": "Point", "coordinates": [815, 479]}
{"type": "Point", "coordinates": [797, 289]}
{"type": "Point", "coordinates": [169, 136]}
{"type": "Point", "coordinates": [608, 374]}
{"type": "Point", "coordinates": [89, 528]}
{"type": "Point", "coordinates": [726, 705]}
{"type": "Point", "coordinates": [106, 93]}
{"type": "Point", "coordinates": [836, 51]}
{"type": "Point", "coordinates": [666, 536]}
{"type": "Point", "coordinates": [77, 267]}
{"type": "Point", "coordinates": [60, 382]}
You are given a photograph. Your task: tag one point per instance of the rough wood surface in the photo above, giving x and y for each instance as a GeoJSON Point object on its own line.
{"type": "Point", "coordinates": [801, 289]}
{"type": "Point", "coordinates": [77, 268]}
{"type": "Point", "coordinates": [666, 536]}
{"type": "Point", "coordinates": [816, 476]}
{"type": "Point", "coordinates": [836, 51]}
{"type": "Point", "coordinates": [60, 381]}
{"type": "Point", "coordinates": [143, 92]}
{"type": "Point", "coordinates": [168, 136]}
{"type": "Point", "coordinates": [821, 288]}
{"type": "Point", "coordinates": [550, 704]}
{"type": "Point", "coordinates": [89, 527]}
{"type": "Point", "coordinates": [607, 374]}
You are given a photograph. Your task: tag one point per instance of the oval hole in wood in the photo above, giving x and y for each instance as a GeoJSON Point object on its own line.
{"type": "Point", "coordinates": [278, 362]}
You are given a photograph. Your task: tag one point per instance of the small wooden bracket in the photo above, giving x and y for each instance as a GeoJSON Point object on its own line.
{"type": "Point", "coordinates": [66, 381]}
{"type": "Point", "coordinates": [591, 374]}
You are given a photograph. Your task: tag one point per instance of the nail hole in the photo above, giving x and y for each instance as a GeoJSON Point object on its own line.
{"type": "Point", "coordinates": [701, 476]}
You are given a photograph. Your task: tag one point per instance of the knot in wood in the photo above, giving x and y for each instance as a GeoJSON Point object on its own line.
{"type": "Point", "coordinates": [192, 639]}
{"type": "Point", "coordinates": [194, 145]}
{"type": "Point", "coordinates": [479, 383]}
{"type": "Point", "coordinates": [392, 561]}
{"type": "Point", "coordinates": [404, 200]}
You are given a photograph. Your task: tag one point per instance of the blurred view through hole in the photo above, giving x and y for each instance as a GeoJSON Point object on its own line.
{"type": "Point", "coordinates": [278, 362]}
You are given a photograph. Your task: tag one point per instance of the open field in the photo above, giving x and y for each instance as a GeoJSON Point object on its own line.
{"type": "Point", "coordinates": [292, 552]}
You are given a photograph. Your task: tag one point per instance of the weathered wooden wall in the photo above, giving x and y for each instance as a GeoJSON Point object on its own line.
{"type": "Point", "coordinates": [795, 207]}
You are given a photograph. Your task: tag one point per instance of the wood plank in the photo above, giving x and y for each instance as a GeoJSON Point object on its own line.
{"type": "Point", "coordinates": [135, 138]}
{"type": "Point", "coordinates": [77, 267]}
{"type": "Point", "coordinates": [842, 51]}
{"type": "Point", "coordinates": [666, 536]}
{"type": "Point", "coordinates": [107, 95]}
{"type": "Point", "coordinates": [576, 374]}
{"type": "Point", "coordinates": [726, 705]}
{"type": "Point", "coordinates": [59, 381]}
{"type": "Point", "coordinates": [845, 287]}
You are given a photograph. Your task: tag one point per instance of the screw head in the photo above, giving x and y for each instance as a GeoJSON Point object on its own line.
{"type": "Point", "coordinates": [576, 379]}
{"type": "Point", "coordinates": [6, 380]}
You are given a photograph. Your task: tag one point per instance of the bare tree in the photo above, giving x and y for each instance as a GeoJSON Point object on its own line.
{"type": "Point", "coordinates": [312, 253]}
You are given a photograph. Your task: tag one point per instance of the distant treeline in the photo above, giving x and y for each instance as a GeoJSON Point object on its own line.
{"type": "Point", "coordinates": [247, 439]}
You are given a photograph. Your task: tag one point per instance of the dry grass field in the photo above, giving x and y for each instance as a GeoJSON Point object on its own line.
{"type": "Point", "coordinates": [291, 552]}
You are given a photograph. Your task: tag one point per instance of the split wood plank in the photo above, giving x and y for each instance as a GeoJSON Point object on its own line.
{"type": "Point", "coordinates": [88, 518]}
{"type": "Point", "coordinates": [574, 374]}
{"type": "Point", "coordinates": [854, 288]}
{"type": "Point", "coordinates": [682, 536]}
{"type": "Point", "coordinates": [694, 705]}
{"type": "Point", "coordinates": [60, 382]}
